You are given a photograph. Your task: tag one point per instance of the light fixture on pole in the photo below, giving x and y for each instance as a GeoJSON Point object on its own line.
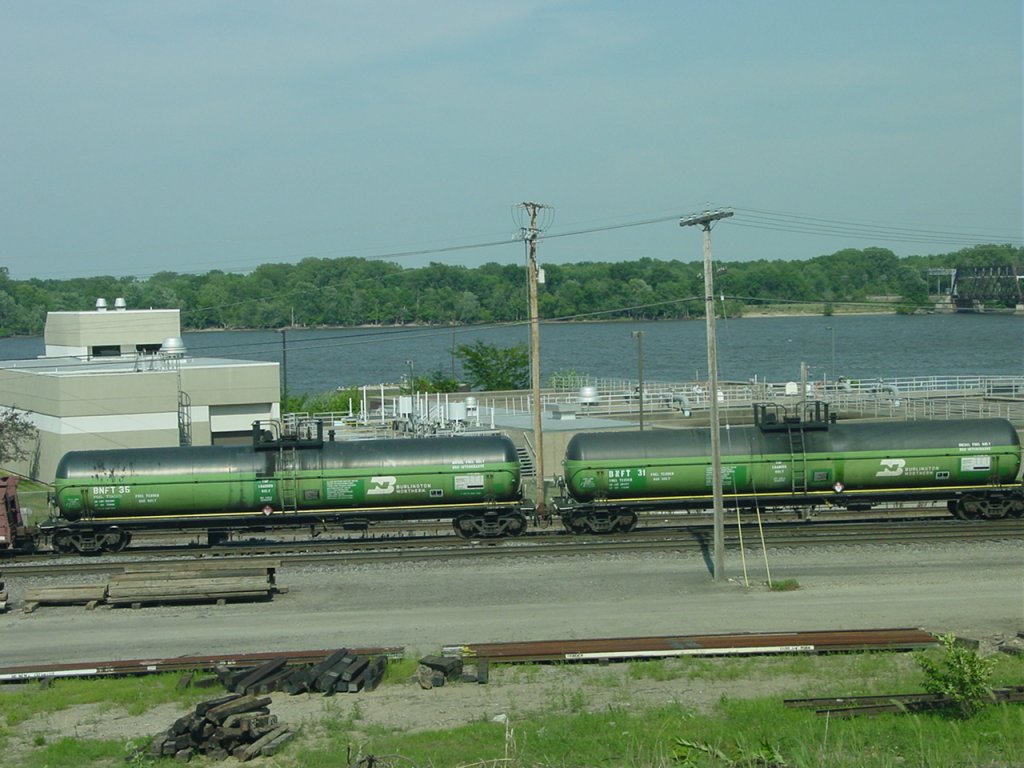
{"type": "Point", "coordinates": [703, 220]}
{"type": "Point", "coordinates": [833, 330]}
{"type": "Point", "coordinates": [639, 336]}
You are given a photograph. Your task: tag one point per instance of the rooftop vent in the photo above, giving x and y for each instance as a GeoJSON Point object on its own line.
{"type": "Point", "coordinates": [173, 347]}
{"type": "Point", "coordinates": [120, 305]}
{"type": "Point", "coordinates": [101, 305]}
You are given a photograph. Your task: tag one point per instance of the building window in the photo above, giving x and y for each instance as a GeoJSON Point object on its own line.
{"type": "Point", "coordinates": [109, 350]}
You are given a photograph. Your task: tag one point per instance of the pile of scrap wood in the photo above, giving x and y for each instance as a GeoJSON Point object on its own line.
{"type": "Point", "coordinates": [338, 672]}
{"type": "Point", "coordinates": [235, 725]}
{"type": "Point", "coordinates": [435, 671]}
{"type": "Point", "coordinates": [198, 584]}
{"type": "Point", "coordinates": [149, 585]}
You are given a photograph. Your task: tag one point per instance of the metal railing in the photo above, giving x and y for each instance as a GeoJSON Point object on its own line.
{"type": "Point", "coordinates": [911, 398]}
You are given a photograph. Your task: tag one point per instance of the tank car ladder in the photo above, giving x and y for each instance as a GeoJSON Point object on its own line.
{"type": "Point", "coordinates": [288, 481]}
{"type": "Point", "coordinates": [799, 463]}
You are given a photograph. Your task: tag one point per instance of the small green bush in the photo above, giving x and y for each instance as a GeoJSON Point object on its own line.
{"type": "Point", "coordinates": [962, 675]}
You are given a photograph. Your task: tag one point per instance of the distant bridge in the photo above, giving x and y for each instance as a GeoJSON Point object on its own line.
{"type": "Point", "coordinates": [981, 288]}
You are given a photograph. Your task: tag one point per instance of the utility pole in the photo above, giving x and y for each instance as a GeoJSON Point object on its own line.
{"type": "Point", "coordinates": [703, 220]}
{"type": "Point", "coordinates": [284, 370]}
{"type": "Point", "coordinates": [530, 234]}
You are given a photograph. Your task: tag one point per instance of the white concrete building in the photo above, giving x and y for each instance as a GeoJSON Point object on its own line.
{"type": "Point", "coordinates": [123, 379]}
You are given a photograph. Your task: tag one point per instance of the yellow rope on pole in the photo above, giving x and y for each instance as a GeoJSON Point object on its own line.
{"type": "Point", "coordinates": [743, 555]}
{"type": "Point", "coordinates": [764, 549]}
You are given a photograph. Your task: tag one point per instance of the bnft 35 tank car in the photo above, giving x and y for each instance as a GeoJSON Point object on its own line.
{"type": "Point", "coordinates": [802, 460]}
{"type": "Point", "coordinates": [102, 496]}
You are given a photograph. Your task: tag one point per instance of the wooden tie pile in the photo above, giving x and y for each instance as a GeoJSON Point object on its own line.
{"type": "Point", "coordinates": [142, 585]}
{"type": "Point", "coordinates": [339, 672]}
{"type": "Point", "coordinates": [235, 725]}
{"type": "Point", "coordinates": [435, 671]}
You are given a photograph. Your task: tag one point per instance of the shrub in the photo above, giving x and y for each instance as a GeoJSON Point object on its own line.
{"type": "Point", "coordinates": [961, 674]}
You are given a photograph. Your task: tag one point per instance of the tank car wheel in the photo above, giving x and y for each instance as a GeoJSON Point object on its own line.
{"type": "Point", "coordinates": [575, 524]}
{"type": "Point", "coordinates": [627, 523]}
{"type": "Point", "coordinates": [516, 525]}
{"type": "Point", "coordinates": [115, 540]}
{"type": "Point", "coordinates": [464, 527]}
{"type": "Point", "coordinates": [64, 542]}
{"type": "Point", "coordinates": [970, 508]}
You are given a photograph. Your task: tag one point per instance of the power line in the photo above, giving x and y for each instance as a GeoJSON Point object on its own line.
{"type": "Point", "coordinates": [753, 218]}
{"type": "Point", "coordinates": [749, 218]}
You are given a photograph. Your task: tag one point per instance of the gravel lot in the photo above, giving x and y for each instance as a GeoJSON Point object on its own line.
{"type": "Point", "coordinates": [975, 590]}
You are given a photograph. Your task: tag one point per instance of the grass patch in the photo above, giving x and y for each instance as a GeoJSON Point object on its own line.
{"type": "Point", "coordinates": [400, 670]}
{"type": "Point", "coordinates": [784, 585]}
{"type": "Point", "coordinates": [756, 732]}
{"type": "Point", "coordinates": [134, 694]}
{"type": "Point", "coordinates": [78, 752]}
{"type": "Point", "coordinates": [577, 726]}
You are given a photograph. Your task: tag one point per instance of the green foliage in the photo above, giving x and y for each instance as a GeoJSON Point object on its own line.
{"type": "Point", "coordinates": [586, 721]}
{"type": "Point", "coordinates": [567, 379]}
{"type": "Point", "coordinates": [437, 381]}
{"type": "Point", "coordinates": [17, 436]}
{"type": "Point", "coordinates": [490, 367]}
{"type": "Point", "coordinates": [351, 291]}
{"type": "Point", "coordinates": [784, 585]}
{"type": "Point", "coordinates": [332, 401]}
{"type": "Point", "coordinates": [961, 674]}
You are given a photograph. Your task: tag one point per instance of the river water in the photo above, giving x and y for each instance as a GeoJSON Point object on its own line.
{"type": "Point", "coordinates": [769, 348]}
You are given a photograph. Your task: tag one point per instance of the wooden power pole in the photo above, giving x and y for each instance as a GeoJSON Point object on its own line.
{"type": "Point", "coordinates": [530, 234]}
{"type": "Point", "coordinates": [703, 220]}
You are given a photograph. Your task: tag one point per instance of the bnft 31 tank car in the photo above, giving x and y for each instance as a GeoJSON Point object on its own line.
{"type": "Point", "coordinates": [793, 460]}
{"type": "Point", "coordinates": [102, 496]}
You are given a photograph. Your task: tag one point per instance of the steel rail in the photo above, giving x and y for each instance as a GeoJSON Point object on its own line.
{"type": "Point", "coordinates": [757, 643]}
{"type": "Point", "coordinates": [691, 539]}
{"type": "Point", "coordinates": [177, 663]}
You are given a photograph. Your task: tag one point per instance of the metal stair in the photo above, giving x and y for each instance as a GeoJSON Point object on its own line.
{"type": "Point", "coordinates": [799, 463]}
{"type": "Point", "coordinates": [526, 465]}
{"type": "Point", "coordinates": [288, 483]}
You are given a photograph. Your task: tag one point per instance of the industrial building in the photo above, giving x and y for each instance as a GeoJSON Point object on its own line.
{"type": "Point", "coordinates": [122, 378]}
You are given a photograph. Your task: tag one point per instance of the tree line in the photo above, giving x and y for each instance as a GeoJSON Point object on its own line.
{"type": "Point", "coordinates": [354, 291]}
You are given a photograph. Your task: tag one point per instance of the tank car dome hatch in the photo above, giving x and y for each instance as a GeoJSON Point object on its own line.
{"type": "Point", "coordinates": [173, 347]}
{"type": "Point", "coordinates": [120, 305]}
{"type": "Point", "coordinates": [101, 305]}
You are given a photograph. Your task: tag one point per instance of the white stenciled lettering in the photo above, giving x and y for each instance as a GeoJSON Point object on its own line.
{"type": "Point", "coordinates": [382, 485]}
{"type": "Point", "coordinates": [111, 490]}
{"type": "Point", "coordinates": [891, 468]}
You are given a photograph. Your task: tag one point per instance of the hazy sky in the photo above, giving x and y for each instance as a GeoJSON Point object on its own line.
{"type": "Point", "coordinates": [198, 135]}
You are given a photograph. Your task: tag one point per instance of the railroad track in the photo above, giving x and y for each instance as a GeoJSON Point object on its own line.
{"type": "Point", "coordinates": [690, 538]}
